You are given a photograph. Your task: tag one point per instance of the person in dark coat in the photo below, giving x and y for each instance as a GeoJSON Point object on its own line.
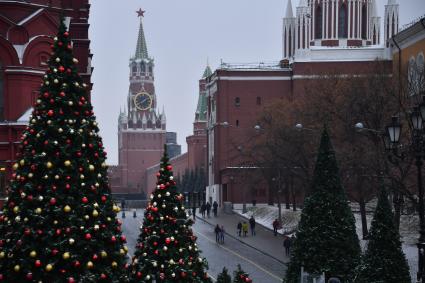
{"type": "Point", "coordinates": [239, 227]}
{"type": "Point", "coordinates": [203, 208]}
{"type": "Point", "coordinates": [275, 226]}
{"type": "Point", "coordinates": [287, 245]}
{"type": "Point", "coordinates": [222, 231]}
{"type": "Point", "coordinates": [208, 209]}
{"type": "Point", "coordinates": [194, 213]}
{"type": "Point", "coordinates": [252, 225]}
{"type": "Point", "coordinates": [217, 231]}
{"type": "Point", "coordinates": [215, 208]}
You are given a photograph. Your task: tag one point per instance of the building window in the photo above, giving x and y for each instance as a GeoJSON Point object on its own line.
{"type": "Point", "coordinates": [1, 94]}
{"type": "Point", "coordinates": [134, 69]}
{"type": "Point", "coordinates": [237, 123]}
{"type": "Point", "coordinates": [44, 60]}
{"type": "Point", "coordinates": [143, 67]}
{"type": "Point", "coordinates": [342, 22]}
{"type": "Point", "coordinates": [237, 101]}
{"type": "Point", "coordinates": [258, 100]}
{"type": "Point", "coordinates": [364, 22]}
{"type": "Point", "coordinates": [319, 22]}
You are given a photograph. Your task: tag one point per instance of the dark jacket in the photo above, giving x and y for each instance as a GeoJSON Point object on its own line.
{"type": "Point", "coordinates": [239, 226]}
{"type": "Point", "coordinates": [252, 222]}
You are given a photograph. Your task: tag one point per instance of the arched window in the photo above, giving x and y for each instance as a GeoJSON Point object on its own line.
{"type": "Point", "coordinates": [286, 43]}
{"type": "Point", "coordinates": [342, 22]}
{"type": "Point", "coordinates": [420, 73]}
{"type": "Point", "coordinates": [364, 22]}
{"type": "Point", "coordinates": [374, 35]}
{"type": "Point", "coordinates": [142, 67]}
{"type": "Point", "coordinates": [392, 26]}
{"type": "Point", "coordinates": [134, 69]}
{"type": "Point", "coordinates": [411, 76]}
{"type": "Point", "coordinates": [318, 22]}
{"type": "Point", "coordinates": [1, 94]}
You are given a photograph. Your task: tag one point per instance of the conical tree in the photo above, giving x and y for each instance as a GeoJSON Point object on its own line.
{"type": "Point", "coordinates": [59, 222]}
{"type": "Point", "coordinates": [166, 250]}
{"type": "Point", "coordinates": [326, 239]}
{"type": "Point", "coordinates": [240, 276]}
{"type": "Point", "coordinates": [224, 276]}
{"type": "Point", "coordinates": [384, 260]}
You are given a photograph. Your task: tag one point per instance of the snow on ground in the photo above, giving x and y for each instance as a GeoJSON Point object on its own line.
{"type": "Point", "coordinates": [409, 226]}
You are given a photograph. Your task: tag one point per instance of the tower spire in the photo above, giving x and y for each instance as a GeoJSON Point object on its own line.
{"type": "Point", "coordinates": [141, 48]}
{"type": "Point", "coordinates": [289, 12]}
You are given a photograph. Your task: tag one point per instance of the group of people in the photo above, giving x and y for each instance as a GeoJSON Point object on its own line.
{"type": "Point", "coordinates": [206, 208]}
{"type": "Point", "coordinates": [219, 234]}
{"type": "Point", "coordinates": [242, 227]}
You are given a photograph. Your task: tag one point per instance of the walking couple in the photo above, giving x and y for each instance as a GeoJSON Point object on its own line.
{"type": "Point", "coordinates": [219, 234]}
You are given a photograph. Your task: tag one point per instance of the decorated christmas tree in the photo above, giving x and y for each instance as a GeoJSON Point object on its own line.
{"type": "Point", "coordinates": [241, 276]}
{"type": "Point", "coordinates": [384, 260]}
{"type": "Point", "coordinates": [166, 250]}
{"type": "Point", "coordinates": [59, 222]}
{"type": "Point", "coordinates": [326, 239]}
{"type": "Point", "coordinates": [224, 276]}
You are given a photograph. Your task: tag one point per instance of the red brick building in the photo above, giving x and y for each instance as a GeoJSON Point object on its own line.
{"type": "Point", "coordinates": [27, 29]}
{"type": "Point", "coordinates": [141, 128]}
{"type": "Point", "coordinates": [325, 36]}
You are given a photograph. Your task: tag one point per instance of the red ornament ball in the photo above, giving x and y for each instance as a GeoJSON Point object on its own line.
{"type": "Point", "coordinates": [61, 69]}
{"type": "Point", "coordinates": [66, 34]}
{"type": "Point", "coordinates": [88, 236]}
{"type": "Point", "coordinates": [37, 263]}
{"type": "Point", "coordinates": [71, 280]}
{"type": "Point", "coordinates": [85, 200]}
{"type": "Point", "coordinates": [50, 113]}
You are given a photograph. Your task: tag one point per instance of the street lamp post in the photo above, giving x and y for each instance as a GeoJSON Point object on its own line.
{"type": "Point", "coordinates": [417, 118]}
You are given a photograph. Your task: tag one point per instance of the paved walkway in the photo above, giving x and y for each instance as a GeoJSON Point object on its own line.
{"type": "Point", "coordinates": [264, 240]}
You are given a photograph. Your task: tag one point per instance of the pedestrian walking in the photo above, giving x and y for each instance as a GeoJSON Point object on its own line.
{"type": "Point", "coordinates": [222, 231]}
{"type": "Point", "coordinates": [203, 208]}
{"type": "Point", "coordinates": [245, 228]}
{"type": "Point", "coordinates": [252, 225]}
{"type": "Point", "coordinates": [208, 206]}
{"type": "Point", "coordinates": [239, 227]}
{"type": "Point", "coordinates": [275, 226]}
{"type": "Point", "coordinates": [194, 213]}
{"type": "Point", "coordinates": [217, 231]}
{"type": "Point", "coordinates": [215, 208]}
{"type": "Point", "coordinates": [287, 245]}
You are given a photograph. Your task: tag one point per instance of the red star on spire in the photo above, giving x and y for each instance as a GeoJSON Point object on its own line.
{"type": "Point", "coordinates": [140, 13]}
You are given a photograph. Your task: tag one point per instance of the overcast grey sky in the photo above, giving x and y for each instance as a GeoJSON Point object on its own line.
{"type": "Point", "coordinates": [181, 35]}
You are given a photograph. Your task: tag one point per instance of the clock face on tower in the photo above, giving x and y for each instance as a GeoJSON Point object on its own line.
{"type": "Point", "coordinates": [143, 101]}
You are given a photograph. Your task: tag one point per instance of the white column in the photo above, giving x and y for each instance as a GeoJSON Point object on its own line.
{"type": "Point", "coordinates": [333, 20]}
{"type": "Point", "coordinates": [349, 19]}
{"type": "Point", "coordinates": [323, 20]}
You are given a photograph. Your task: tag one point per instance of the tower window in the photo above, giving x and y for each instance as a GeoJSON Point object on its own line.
{"type": "Point", "coordinates": [237, 123]}
{"type": "Point", "coordinates": [143, 67]}
{"type": "Point", "coordinates": [364, 22]}
{"type": "Point", "coordinates": [342, 22]}
{"type": "Point", "coordinates": [237, 101]}
{"type": "Point", "coordinates": [318, 22]}
{"type": "Point", "coordinates": [134, 69]}
{"type": "Point", "coordinates": [258, 100]}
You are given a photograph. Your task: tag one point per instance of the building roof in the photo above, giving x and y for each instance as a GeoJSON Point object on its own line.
{"type": "Point", "coordinates": [207, 72]}
{"type": "Point", "coordinates": [289, 12]}
{"type": "Point", "coordinates": [141, 48]}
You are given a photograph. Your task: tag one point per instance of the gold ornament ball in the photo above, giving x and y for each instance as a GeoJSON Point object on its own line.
{"type": "Point", "coordinates": [2, 254]}
{"type": "Point", "coordinates": [15, 166]}
{"type": "Point", "coordinates": [67, 208]}
{"type": "Point", "coordinates": [33, 254]}
{"type": "Point", "coordinates": [86, 217]}
{"type": "Point", "coordinates": [90, 265]}
{"type": "Point", "coordinates": [67, 163]}
{"type": "Point", "coordinates": [66, 255]}
{"type": "Point", "coordinates": [16, 209]}
{"type": "Point", "coordinates": [114, 264]}
{"type": "Point", "coordinates": [49, 165]}
{"type": "Point", "coordinates": [103, 254]}
{"type": "Point", "coordinates": [49, 267]}
{"type": "Point", "coordinates": [122, 252]}
{"type": "Point", "coordinates": [22, 162]}
{"type": "Point", "coordinates": [38, 210]}
{"type": "Point", "coordinates": [91, 167]}
{"type": "Point", "coordinates": [95, 213]}
{"type": "Point", "coordinates": [17, 268]}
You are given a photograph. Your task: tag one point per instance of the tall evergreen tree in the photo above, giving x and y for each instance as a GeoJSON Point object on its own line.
{"type": "Point", "coordinates": [224, 277]}
{"type": "Point", "coordinates": [59, 222]}
{"type": "Point", "coordinates": [326, 239]}
{"type": "Point", "coordinates": [384, 260]}
{"type": "Point", "coordinates": [166, 250]}
{"type": "Point", "coordinates": [240, 276]}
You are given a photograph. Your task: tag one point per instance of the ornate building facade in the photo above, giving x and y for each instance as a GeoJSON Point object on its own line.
{"type": "Point", "coordinates": [27, 29]}
{"type": "Point", "coordinates": [323, 36]}
{"type": "Point", "coordinates": [141, 128]}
